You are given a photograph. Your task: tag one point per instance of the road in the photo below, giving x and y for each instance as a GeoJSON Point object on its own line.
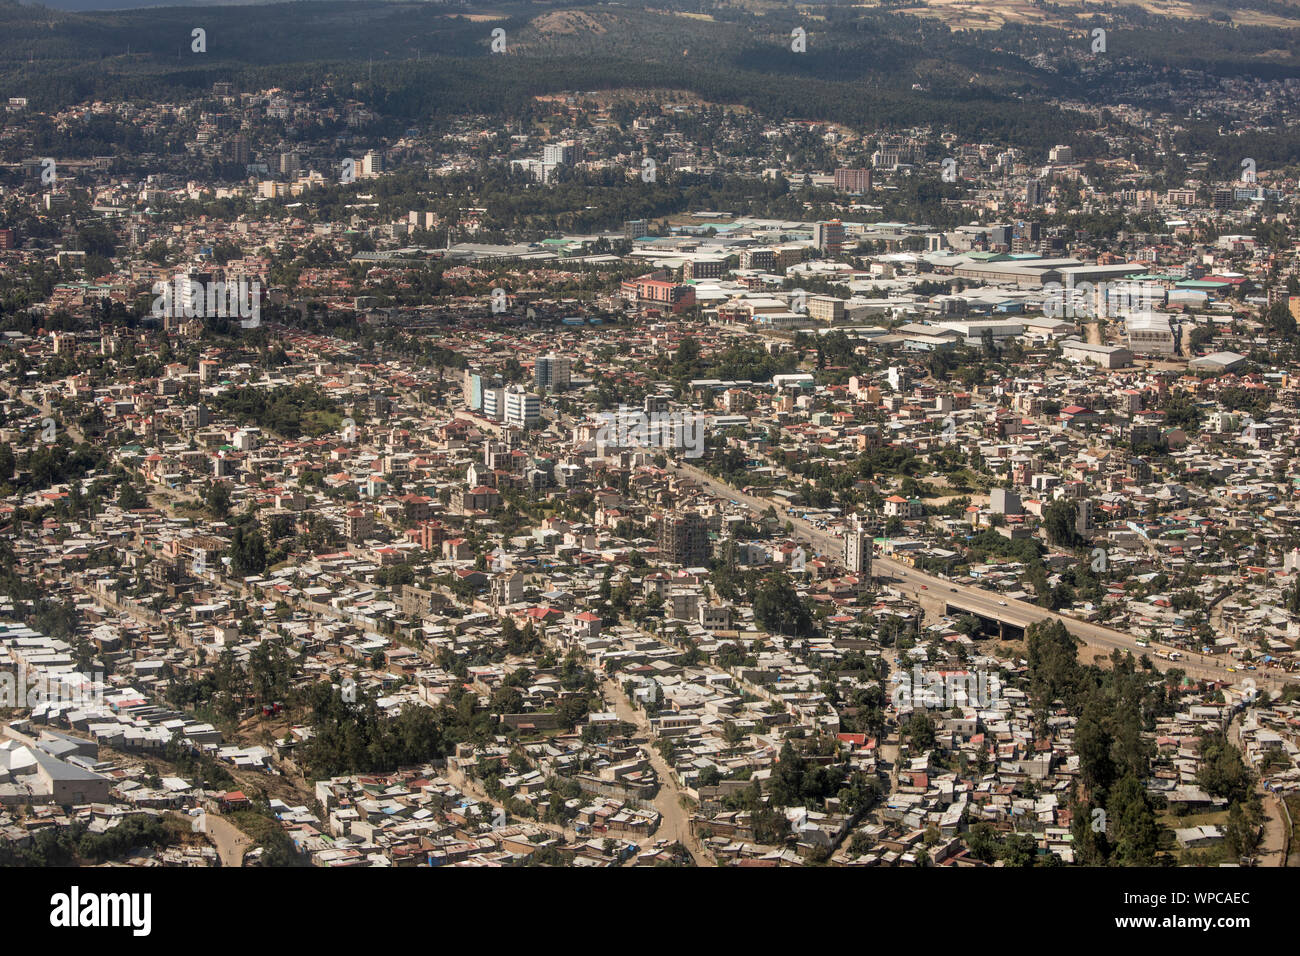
{"type": "Point", "coordinates": [1272, 850]}
{"type": "Point", "coordinates": [472, 788]}
{"type": "Point", "coordinates": [676, 822]}
{"type": "Point", "coordinates": [921, 585]}
{"type": "Point", "coordinates": [47, 410]}
{"type": "Point", "coordinates": [916, 584]}
{"type": "Point", "coordinates": [231, 842]}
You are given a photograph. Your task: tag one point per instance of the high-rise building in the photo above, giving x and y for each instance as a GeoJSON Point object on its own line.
{"type": "Point", "coordinates": [560, 154]}
{"type": "Point", "coordinates": [857, 552]}
{"type": "Point", "coordinates": [1083, 516]}
{"type": "Point", "coordinates": [711, 268]}
{"type": "Point", "coordinates": [358, 524]}
{"type": "Point", "coordinates": [552, 371]}
{"type": "Point", "coordinates": [829, 237]}
{"type": "Point", "coordinates": [853, 180]}
{"type": "Point", "coordinates": [1031, 231]}
{"type": "Point", "coordinates": [239, 151]}
{"type": "Point", "coordinates": [825, 308]}
{"type": "Point", "coordinates": [372, 164]}
{"type": "Point", "coordinates": [521, 408]}
{"type": "Point", "coordinates": [1004, 501]}
{"type": "Point", "coordinates": [473, 390]}
{"type": "Point", "coordinates": [684, 539]}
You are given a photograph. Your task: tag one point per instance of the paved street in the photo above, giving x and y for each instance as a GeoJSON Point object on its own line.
{"type": "Point", "coordinates": [924, 586]}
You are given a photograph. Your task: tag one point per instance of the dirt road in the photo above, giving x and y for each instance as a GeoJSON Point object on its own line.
{"type": "Point", "coordinates": [231, 842]}
{"type": "Point", "coordinates": [676, 822]}
{"type": "Point", "coordinates": [1273, 843]}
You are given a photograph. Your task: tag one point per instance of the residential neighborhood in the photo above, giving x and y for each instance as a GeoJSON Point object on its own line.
{"type": "Point", "coordinates": [636, 479]}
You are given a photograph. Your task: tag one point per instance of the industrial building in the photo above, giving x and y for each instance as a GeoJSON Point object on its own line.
{"type": "Point", "coordinates": [1104, 356]}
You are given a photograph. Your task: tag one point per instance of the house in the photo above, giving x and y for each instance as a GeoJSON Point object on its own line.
{"type": "Point", "coordinates": [896, 506]}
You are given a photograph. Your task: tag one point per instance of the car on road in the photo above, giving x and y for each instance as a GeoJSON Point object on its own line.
{"type": "Point", "coordinates": [953, 590]}
{"type": "Point", "coordinates": [1002, 604]}
{"type": "Point", "coordinates": [925, 587]}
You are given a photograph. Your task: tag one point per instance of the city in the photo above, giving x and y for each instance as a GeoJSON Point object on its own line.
{"type": "Point", "coordinates": [643, 476]}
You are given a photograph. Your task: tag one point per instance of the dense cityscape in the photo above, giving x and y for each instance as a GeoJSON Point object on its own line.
{"type": "Point", "coordinates": [635, 476]}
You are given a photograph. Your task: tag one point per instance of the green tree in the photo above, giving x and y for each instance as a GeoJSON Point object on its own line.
{"type": "Point", "coordinates": [1132, 820]}
{"type": "Point", "coordinates": [779, 608]}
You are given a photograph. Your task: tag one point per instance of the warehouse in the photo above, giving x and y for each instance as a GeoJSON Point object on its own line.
{"type": "Point", "coordinates": [1218, 362]}
{"type": "Point", "coordinates": [974, 331]}
{"type": "Point", "coordinates": [1150, 333]}
{"type": "Point", "coordinates": [1104, 356]}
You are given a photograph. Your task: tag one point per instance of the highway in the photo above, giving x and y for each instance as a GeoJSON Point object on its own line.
{"type": "Point", "coordinates": [919, 585]}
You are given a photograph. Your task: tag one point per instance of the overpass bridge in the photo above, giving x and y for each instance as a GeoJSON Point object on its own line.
{"type": "Point", "coordinates": [991, 624]}
{"type": "Point", "coordinates": [1009, 617]}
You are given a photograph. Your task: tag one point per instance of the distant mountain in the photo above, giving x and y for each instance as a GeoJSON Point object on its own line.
{"type": "Point", "coordinates": [87, 6]}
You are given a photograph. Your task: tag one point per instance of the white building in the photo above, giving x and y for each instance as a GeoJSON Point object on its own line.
{"type": "Point", "coordinates": [1105, 356]}
{"type": "Point", "coordinates": [1150, 333]}
{"type": "Point", "coordinates": [974, 330]}
{"type": "Point", "coordinates": [857, 552]}
{"type": "Point", "coordinates": [522, 408]}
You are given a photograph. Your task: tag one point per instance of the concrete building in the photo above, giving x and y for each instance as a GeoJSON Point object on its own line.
{"type": "Point", "coordinates": [857, 552]}
{"type": "Point", "coordinates": [1105, 356]}
{"type": "Point", "coordinates": [762, 259]}
{"type": "Point", "coordinates": [560, 154]}
{"type": "Point", "coordinates": [521, 408]}
{"type": "Point", "coordinates": [825, 308]}
{"type": "Point", "coordinates": [1004, 501]}
{"type": "Point", "coordinates": [828, 237]}
{"type": "Point", "coordinates": [552, 371]}
{"type": "Point", "coordinates": [684, 539]}
{"type": "Point", "coordinates": [30, 774]}
{"type": "Point", "coordinates": [973, 331]}
{"type": "Point", "coordinates": [1218, 362]}
{"type": "Point", "coordinates": [1150, 333]}
{"type": "Point", "coordinates": [704, 268]}
{"type": "Point", "coordinates": [853, 180]}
